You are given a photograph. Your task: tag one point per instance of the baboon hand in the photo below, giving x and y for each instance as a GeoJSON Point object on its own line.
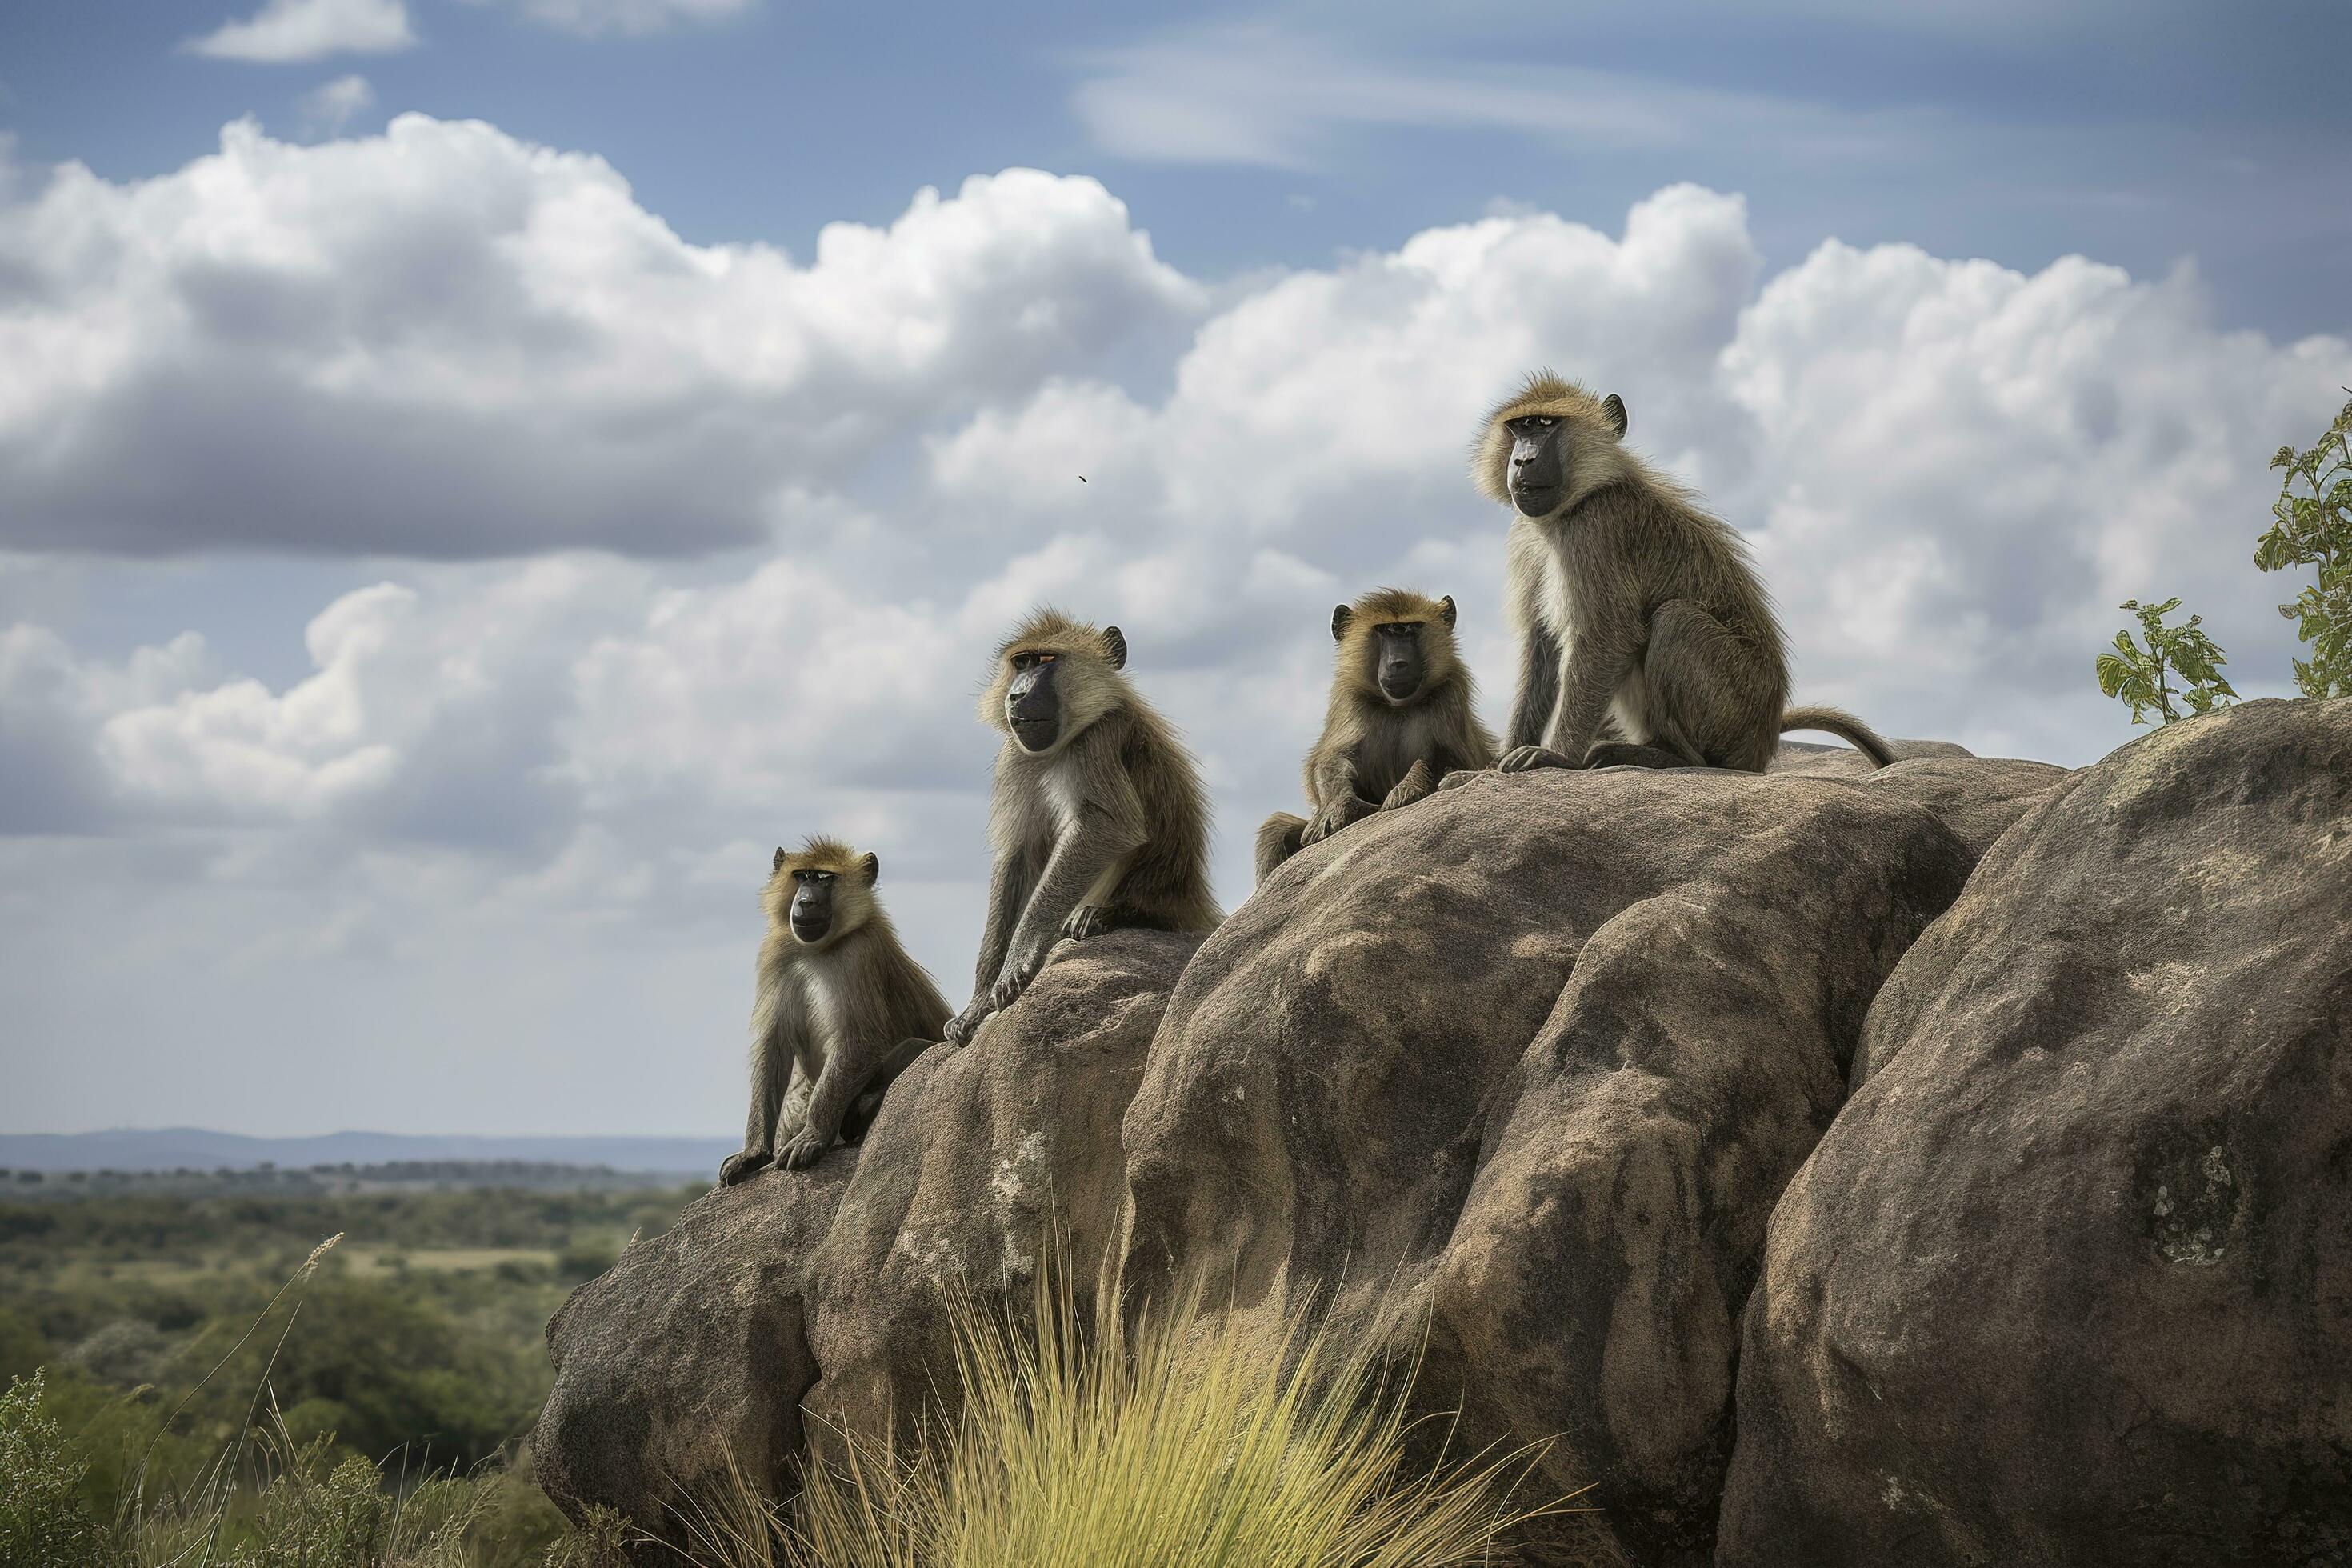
{"type": "Point", "coordinates": [1335, 816]}
{"type": "Point", "coordinates": [1416, 786]}
{"type": "Point", "coordinates": [1526, 759]}
{"type": "Point", "coordinates": [966, 1024]}
{"type": "Point", "coordinates": [800, 1150]}
{"type": "Point", "coordinates": [1086, 920]}
{"type": "Point", "coordinates": [746, 1163]}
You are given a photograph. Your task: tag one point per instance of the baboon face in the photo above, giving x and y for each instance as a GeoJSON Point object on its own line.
{"type": "Point", "coordinates": [1539, 463]}
{"type": "Point", "coordinates": [1399, 665]}
{"type": "Point", "coordinates": [1402, 639]}
{"type": "Point", "coordinates": [812, 907]}
{"type": "Point", "coordinates": [821, 892]}
{"type": "Point", "coordinates": [1054, 676]}
{"type": "Point", "coordinates": [1542, 430]}
{"type": "Point", "coordinates": [1032, 702]}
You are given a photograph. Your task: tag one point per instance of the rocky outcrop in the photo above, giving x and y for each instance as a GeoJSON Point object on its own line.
{"type": "Point", "coordinates": [823, 1287]}
{"type": "Point", "coordinates": [1948, 1163]}
{"type": "Point", "coordinates": [2070, 1279]}
{"type": "Point", "coordinates": [1001, 1150]}
{"type": "Point", "coordinates": [1532, 1065]}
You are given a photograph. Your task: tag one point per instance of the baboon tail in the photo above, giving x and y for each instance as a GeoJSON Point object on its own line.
{"type": "Point", "coordinates": [1840, 722]}
{"type": "Point", "coordinates": [1278, 841]}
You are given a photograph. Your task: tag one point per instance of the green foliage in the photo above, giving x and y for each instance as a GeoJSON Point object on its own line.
{"type": "Point", "coordinates": [2179, 661]}
{"type": "Point", "coordinates": [43, 1520]}
{"type": "Point", "coordinates": [2316, 530]}
{"type": "Point", "coordinates": [130, 1300]}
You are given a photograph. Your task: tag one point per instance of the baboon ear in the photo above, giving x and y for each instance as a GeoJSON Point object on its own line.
{"type": "Point", "coordinates": [869, 869]}
{"type": "Point", "coordinates": [1614, 407]}
{"type": "Point", "coordinates": [1114, 645]}
{"type": "Point", "coordinates": [778, 863]}
{"type": "Point", "coordinates": [1445, 606]}
{"type": "Point", "coordinates": [1340, 616]}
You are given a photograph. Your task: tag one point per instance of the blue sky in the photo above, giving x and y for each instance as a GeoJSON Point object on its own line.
{"type": "Point", "coordinates": [2140, 134]}
{"type": "Point", "coordinates": [474, 481]}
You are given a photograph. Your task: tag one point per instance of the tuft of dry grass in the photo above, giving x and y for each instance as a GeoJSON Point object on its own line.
{"type": "Point", "coordinates": [1185, 1436]}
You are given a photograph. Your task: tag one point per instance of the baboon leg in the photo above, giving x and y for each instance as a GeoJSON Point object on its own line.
{"type": "Point", "coordinates": [1278, 841]}
{"type": "Point", "coordinates": [868, 1103]}
{"type": "Point", "coordinates": [1416, 784]}
{"type": "Point", "coordinates": [1626, 754]}
{"type": "Point", "coordinates": [860, 1116]}
{"type": "Point", "coordinates": [1709, 702]}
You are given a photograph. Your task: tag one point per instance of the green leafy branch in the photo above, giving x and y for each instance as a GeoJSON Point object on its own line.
{"type": "Point", "coordinates": [2316, 530]}
{"type": "Point", "coordinates": [2179, 661]}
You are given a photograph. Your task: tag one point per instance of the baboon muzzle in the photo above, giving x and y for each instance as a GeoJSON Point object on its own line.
{"type": "Point", "coordinates": [1399, 670]}
{"type": "Point", "coordinates": [812, 914]}
{"type": "Point", "coordinates": [1536, 473]}
{"type": "Point", "coordinates": [1033, 708]}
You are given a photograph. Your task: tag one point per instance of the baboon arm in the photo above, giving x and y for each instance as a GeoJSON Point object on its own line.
{"type": "Point", "coordinates": [776, 1024]}
{"type": "Point", "coordinates": [1610, 630]}
{"type": "Point", "coordinates": [1418, 781]}
{"type": "Point", "coordinates": [1106, 829]}
{"type": "Point", "coordinates": [1335, 776]}
{"type": "Point", "coordinates": [1092, 844]}
{"type": "Point", "coordinates": [794, 1113]}
{"type": "Point", "coordinates": [1539, 691]}
{"type": "Point", "coordinates": [1009, 888]}
{"type": "Point", "coordinates": [1602, 663]}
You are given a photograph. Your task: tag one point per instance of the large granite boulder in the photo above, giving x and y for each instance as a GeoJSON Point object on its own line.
{"type": "Point", "coordinates": [2069, 1280]}
{"type": "Point", "coordinates": [821, 1292]}
{"type": "Point", "coordinates": [692, 1344]}
{"type": "Point", "coordinates": [1528, 1064]}
{"type": "Point", "coordinates": [983, 1159]}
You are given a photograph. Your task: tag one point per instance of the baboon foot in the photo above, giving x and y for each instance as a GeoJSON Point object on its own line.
{"type": "Point", "coordinates": [748, 1162]}
{"type": "Point", "coordinates": [1627, 754]}
{"type": "Point", "coordinates": [1086, 920]}
{"type": "Point", "coordinates": [1528, 759]}
{"type": "Point", "coordinates": [1336, 816]}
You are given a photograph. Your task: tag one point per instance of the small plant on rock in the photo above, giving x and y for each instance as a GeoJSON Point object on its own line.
{"type": "Point", "coordinates": [2179, 662]}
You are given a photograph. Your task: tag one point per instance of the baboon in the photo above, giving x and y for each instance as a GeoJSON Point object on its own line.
{"type": "Point", "coordinates": [1098, 820]}
{"type": "Point", "coordinates": [838, 1009]}
{"type": "Point", "coordinates": [1638, 611]}
{"type": "Point", "coordinates": [1403, 714]}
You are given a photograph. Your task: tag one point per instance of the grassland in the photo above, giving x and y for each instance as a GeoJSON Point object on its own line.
{"type": "Point", "coordinates": [216, 1389]}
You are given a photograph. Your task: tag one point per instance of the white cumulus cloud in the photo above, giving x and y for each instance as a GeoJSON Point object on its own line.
{"type": "Point", "coordinates": [627, 18]}
{"type": "Point", "coordinates": [444, 341]}
{"type": "Point", "coordinates": [331, 105]}
{"type": "Point", "coordinates": [576, 762]}
{"type": "Point", "coordinates": [290, 30]}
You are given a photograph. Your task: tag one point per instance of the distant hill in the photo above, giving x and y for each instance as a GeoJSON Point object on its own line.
{"type": "Point", "coordinates": [171, 1148]}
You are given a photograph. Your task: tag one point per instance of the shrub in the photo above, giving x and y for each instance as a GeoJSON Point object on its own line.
{"type": "Point", "coordinates": [2316, 531]}
{"type": "Point", "coordinates": [42, 1519]}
